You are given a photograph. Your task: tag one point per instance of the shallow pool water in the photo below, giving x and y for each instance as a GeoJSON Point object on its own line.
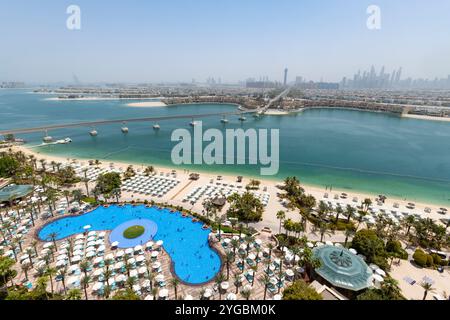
{"type": "Point", "coordinates": [185, 241]}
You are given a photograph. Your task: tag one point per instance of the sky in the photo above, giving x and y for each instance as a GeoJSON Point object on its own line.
{"type": "Point", "coordinates": [180, 40]}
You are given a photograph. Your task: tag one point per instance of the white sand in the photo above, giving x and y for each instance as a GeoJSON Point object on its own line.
{"type": "Point", "coordinates": [147, 104]}
{"type": "Point", "coordinates": [420, 117]}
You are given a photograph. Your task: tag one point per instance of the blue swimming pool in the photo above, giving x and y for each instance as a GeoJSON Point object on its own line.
{"type": "Point", "coordinates": [185, 241]}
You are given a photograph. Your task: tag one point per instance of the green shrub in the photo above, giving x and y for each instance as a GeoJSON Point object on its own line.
{"type": "Point", "coordinates": [444, 263]}
{"type": "Point", "coordinates": [420, 258]}
{"type": "Point", "coordinates": [429, 260]}
{"type": "Point", "coordinates": [437, 260]}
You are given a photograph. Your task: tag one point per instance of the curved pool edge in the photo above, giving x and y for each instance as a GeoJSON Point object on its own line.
{"type": "Point", "coordinates": [172, 263]}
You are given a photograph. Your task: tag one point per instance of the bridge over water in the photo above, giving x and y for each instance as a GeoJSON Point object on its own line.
{"type": "Point", "coordinates": [105, 122]}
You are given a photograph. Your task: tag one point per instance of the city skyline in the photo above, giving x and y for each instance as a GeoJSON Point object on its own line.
{"type": "Point", "coordinates": [172, 41]}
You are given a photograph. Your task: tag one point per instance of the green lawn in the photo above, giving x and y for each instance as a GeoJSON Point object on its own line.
{"type": "Point", "coordinates": [133, 232]}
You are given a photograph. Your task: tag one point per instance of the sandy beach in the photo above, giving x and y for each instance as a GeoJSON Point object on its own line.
{"type": "Point", "coordinates": [96, 98]}
{"type": "Point", "coordinates": [420, 117]}
{"type": "Point", "coordinates": [148, 104]}
{"type": "Point", "coordinates": [274, 205]}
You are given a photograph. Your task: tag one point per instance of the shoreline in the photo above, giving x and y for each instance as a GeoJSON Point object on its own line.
{"type": "Point", "coordinates": [315, 190]}
{"type": "Point", "coordinates": [149, 104]}
{"type": "Point", "coordinates": [96, 98]}
{"type": "Point", "coordinates": [423, 117]}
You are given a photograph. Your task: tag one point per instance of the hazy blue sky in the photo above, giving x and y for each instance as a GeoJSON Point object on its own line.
{"type": "Point", "coordinates": [171, 40]}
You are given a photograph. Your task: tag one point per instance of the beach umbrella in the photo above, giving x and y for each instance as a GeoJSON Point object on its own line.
{"type": "Point", "coordinates": [109, 256]}
{"type": "Point", "coordinates": [277, 297]}
{"type": "Point", "coordinates": [73, 269]}
{"type": "Point", "coordinates": [102, 234]}
{"type": "Point", "coordinates": [155, 254]}
{"type": "Point", "coordinates": [159, 278]}
{"type": "Point", "coordinates": [140, 258]}
{"type": "Point", "coordinates": [78, 253]}
{"type": "Point", "coordinates": [61, 263]}
{"type": "Point", "coordinates": [159, 243]}
{"type": "Point", "coordinates": [142, 270]}
{"type": "Point", "coordinates": [138, 248]}
{"type": "Point", "coordinates": [148, 297]}
{"type": "Point", "coordinates": [98, 272]}
{"type": "Point", "coordinates": [156, 265]}
{"type": "Point", "coordinates": [76, 259]}
{"type": "Point", "coordinates": [48, 245]}
{"type": "Point", "coordinates": [188, 297]}
{"type": "Point", "coordinates": [131, 261]}
{"type": "Point", "coordinates": [91, 249]}
{"type": "Point", "coordinates": [225, 285]}
{"type": "Point", "coordinates": [120, 254]}
{"type": "Point", "coordinates": [289, 273]}
{"type": "Point", "coordinates": [258, 242]}
{"type": "Point", "coordinates": [133, 274]}
{"type": "Point", "coordinates": [231, 296]}
{"type": "Point", "coordinates": [121, 278]}
{"type": "Point", "coordinates": [251, 256]}
{"type": "Point", "coordinates": [90, 244]}
{"type": "Point", "coordinates": [101, 249]}
{"type": "Point", "coordinates": [115, 244]}
{"type": "Point", "coordinates": [97, 287]}
{"type": "Point", "coordinates": [99, 242]}
{"type": "Point", "coordinates": [129, 251]}
{"type": "Point", "coordinates": [146, 284]}
{"type": "Point", "coordinates": [149, 245]}
{"type": "Point", "coordinates": [378, 278]}
{"type": "Point", "coordinates": [92, 233]}
{"type": "Point", "coordinates": [310, 245]}
{"type": "Point", "coordinates": [90, 254]}
{"type": "Point", "coordinates": [329, 243]}
{"type": "Point", "coordinates": [374, 267]}
{"type": "Point", "coordinates": [73, 281]}
{"type": "Point", "coordinates": [208, 293]}
{"type": "Point", "coordinates": [163, 293]}
{"type": "Point", "coordinates": [98, 260]}
{"type": "Point", "coordinates": [380, 272]}
{"type": "Point", "coordinates": [61, 257]}
{"type": "Point", "coordinates": [118, 265]}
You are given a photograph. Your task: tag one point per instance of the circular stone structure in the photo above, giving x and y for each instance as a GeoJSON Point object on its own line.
{"type": "Point", "coordinates": [342, 268]}
{"type": "Point", "coordinates": [150, 229]}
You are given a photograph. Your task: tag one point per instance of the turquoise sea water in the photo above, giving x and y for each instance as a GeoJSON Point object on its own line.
{"type": "Point", "coordinates": [185, 241]}
{"type": "Point", "coordinates": [351, 150]}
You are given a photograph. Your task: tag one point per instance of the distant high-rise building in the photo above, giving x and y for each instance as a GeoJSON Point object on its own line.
{"type": "Point", "coordinates": [285, 76]}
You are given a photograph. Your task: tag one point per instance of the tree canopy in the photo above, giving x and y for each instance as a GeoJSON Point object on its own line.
{"type": "Point", "coordinates": [300, 290]}
{"type": "Point", "coordinates": [246, 208]}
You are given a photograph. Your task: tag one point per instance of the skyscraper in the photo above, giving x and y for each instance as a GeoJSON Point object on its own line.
{"type": "Point", "coordinates": [285, 76]}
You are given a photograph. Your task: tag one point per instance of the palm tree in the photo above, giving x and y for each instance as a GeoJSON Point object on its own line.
{"type": "Point", "coordinates": [265, 281]}
{"type": "Point", "coordinates": [30, 253]}
{"type": "Point", "coordinates": [229, 258]}
{"type": "Point", "coordinates": [234, 244]}
{"type": "Point", "coordinates": [427, 287]}
{"type": "Point", "coordinates": [237, 281]}
{"type": "Point", "coordinates": [348, 233]}
{"type": "Point", "coordinates": [86, 181]}
{"type": "Point", "coordinates": [84, 267]}
{"type": "Point", "coordinates": [174, 282]}
{"type": "Point", "coordinates": [25, 267]}
{"type": "Point", "coordinates": [50, 272]}
{"type": "Point", "coordinates": [85, 283]}
{"type": "Point", "coordinates": [246, 294]}
{"type": "Point", "coordinates": [74, 294]}
{"type": "Point", "coordinates": [281, 215]}
{"type": "Point", "coordinates": [218, 280]}
{"type": "Point", "coordinates": [66, 194]}
{"type": "Point", "coordinates": [62, 274]}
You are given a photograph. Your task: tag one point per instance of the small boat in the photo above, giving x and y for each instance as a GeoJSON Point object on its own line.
{"type": "Point", "coordinates": [156, 127]}
{"type": "Point", "coordinates": [224, 120]}
{"type": "Point", "coordinates": [124, 130]}
{"type": "Point", "coordinates": [64, 141]}
{"type": "Point", "coordinates": [93, 133]}
{"type": "Point", "coordinates": [47, 139]}
{"type": "Point", "coordinates": [192, 123]}
{"type": "Point", "coordinates": [242, 118]}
